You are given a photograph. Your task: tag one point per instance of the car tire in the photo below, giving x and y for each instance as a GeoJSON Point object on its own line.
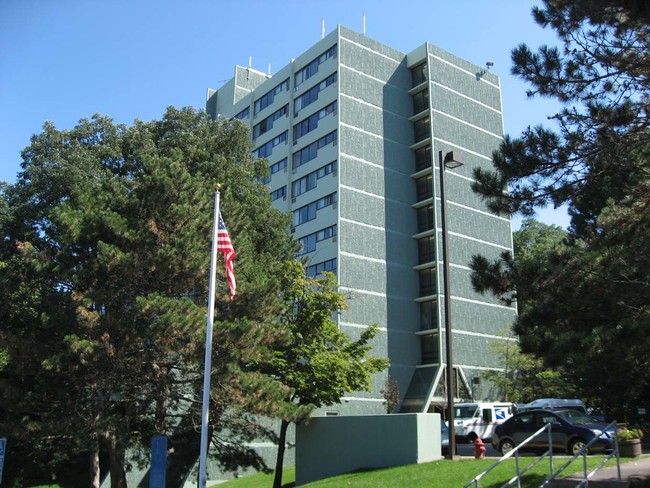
{"type": "Point", "coordinates": [576, 446]}
{"type": "Point", "coordinates": [506, 445]}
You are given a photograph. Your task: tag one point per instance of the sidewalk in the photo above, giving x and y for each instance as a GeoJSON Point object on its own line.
{"type": "Point", "coordinates": [631, 471]}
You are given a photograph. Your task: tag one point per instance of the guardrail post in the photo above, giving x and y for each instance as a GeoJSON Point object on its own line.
{"type": "Point", "coordinates": [517, 468]}
{"type": "Point", "coordinates": [616, 450]}
{"type": "Point", "coordinates": [550, 449]}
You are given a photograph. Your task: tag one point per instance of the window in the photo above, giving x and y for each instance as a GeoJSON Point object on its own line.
{"type": "Point", "coordinates": [267, 149]}
{"type": "Point", "coordinates": [326, 233]}
{"type": "Point", "coordinates": [425, 218]}
{"type": "Point", "coordinates": [419, 74]}
{"type": "Point", "coordinates": [428, 281]}
{"type": "Point", "coordinates": [274, 168]}
{"type": "Point", "coordinates": [279, 193]}
{"type": "Point", "coordinates": [312, 68]}
{"type": "Point", "coordinates": [429, 348]}
{"type": "Point", "coordinates": [325, 170]}
{"type": "Point", "coordinates": [303, 185]}
{"type": "Point", "coordinates": [311, 95]}
{"type": "Point", "coordinates": [422, 158]}
{"type": "Point", "coordinates": [243, 114]}
{"type": "Point", "coordinates": [309, 181]}
{"type": "Point", "coordinates": [308, 243]}
{"type": "Point", "coordinates": [420, 101]}
{"type": "Point", "coordinates": [267, 124]}
{"type": "Point", "coordinates": [428, 315]}
{"type": "Point", "coordinates": [311, 122]}
{"type": "Point", "coordinates": [267, 99]}
{"type": "Point", "coordinates": [280, 165]}
{"type": "Point", "coordinates": [319, 268]}
{"type": "Point", "coordinates": [526, 419]}
{"type": "Point", "coordinates": [487, 415]}
{"type": "Point", "coordinates": [310, 152]}
{"type": "Point", "coordinates": [426, 249]}
{"type": "Point", "coordinates": [308, 212]}
{"type": "Point", "coordinates": [422, 129]}
{"type": "Point", "coordinates": [424, 187]}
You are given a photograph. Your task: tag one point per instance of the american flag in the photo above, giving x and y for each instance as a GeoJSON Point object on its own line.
{"type": "Point", "coordinates": [225, 246]}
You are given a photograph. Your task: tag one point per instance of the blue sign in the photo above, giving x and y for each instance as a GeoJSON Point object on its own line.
{"type": "Point", "coordinates": [158, 470]}
{"type": "Point", "coordinates": [3, 448]}
{"type": "Point", "coordinates": [500, 413]}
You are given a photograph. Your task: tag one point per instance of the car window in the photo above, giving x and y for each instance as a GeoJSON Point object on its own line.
{"type": "Point", "coordinates": [525, 419]}
{"type": "Point", "coordinates": [576, 417]}
{"type": "Point", "coordinates": [487, 415]}
{"type": "Point", "coordinates": [466, 412]}
{"type": "Point", "coordinates": [545, 418]}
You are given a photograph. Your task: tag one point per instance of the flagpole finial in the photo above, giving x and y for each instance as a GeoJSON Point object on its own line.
{"type": "Point", "coordinates": [217, 186]}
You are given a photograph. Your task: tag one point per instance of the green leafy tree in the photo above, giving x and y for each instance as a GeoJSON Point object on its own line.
{"type": "Point", "coordinates": [104, 265]}
{"type": "Point", "coordinates": [524, 376]}
{"type": "Point", "coordinates": [318, 363]}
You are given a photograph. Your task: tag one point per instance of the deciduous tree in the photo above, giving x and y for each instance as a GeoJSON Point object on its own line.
{"type": "Point", "coordinates": [319, 363]}
{"type": "Point", "coordinates": [105, 260]}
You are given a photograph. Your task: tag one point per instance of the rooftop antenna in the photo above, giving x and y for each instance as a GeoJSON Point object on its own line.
{"type": "Point", "coordinates": [489, 64]}
{"type": "Point", "coordinates": [269, 69]}
{"type": "Point", "coordinates": [364, 24]}
{"type": "Point", "coordinates": [322, 28]}
{"type": "Point", "coordinates": [250, 61]}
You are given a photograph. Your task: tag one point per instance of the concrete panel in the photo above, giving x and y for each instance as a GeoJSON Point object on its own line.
{"type": "Point", "coordinates": [464, 77]}
{"type": "Point", "coordinates": [328, 446]}
{"type": "Point", "coordinates": [460, 107]}
{"type": "Point", "coordinates": [374, 92]}
{"type": "Point", "coordinates": [463, 135]}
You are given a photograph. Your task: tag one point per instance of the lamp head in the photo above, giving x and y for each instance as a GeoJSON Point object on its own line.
{"type": "Point", "coordinates": [453, 160]}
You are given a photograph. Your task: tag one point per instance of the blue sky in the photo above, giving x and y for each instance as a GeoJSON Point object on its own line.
{"type": "Point", "coordinates": [129, 59]}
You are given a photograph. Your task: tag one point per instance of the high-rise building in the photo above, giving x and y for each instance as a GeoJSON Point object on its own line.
{"type": "Point", "coordinates": [354, 133]}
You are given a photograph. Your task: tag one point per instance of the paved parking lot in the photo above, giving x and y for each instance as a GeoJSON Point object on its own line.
{"type": "Point", "coordinates": [468, 450]}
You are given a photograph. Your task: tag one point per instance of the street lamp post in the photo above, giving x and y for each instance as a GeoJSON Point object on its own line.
{"type": "Point", "coordinates": [450, 160]}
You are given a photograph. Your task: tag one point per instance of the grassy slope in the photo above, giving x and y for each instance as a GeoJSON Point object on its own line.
{"type": "Point", "coordinates": [438, 473]}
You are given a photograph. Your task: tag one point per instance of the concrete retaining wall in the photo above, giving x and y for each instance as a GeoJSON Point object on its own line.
{"type": "Point", "coordinates": [328, 446]}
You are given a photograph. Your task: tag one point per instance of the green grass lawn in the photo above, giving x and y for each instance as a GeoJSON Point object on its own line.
{"type": "Point", "coordinates": [438, 473]}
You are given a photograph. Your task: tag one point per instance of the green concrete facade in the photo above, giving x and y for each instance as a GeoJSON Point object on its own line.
{"type": "Point", "coordinates": [372, 199]}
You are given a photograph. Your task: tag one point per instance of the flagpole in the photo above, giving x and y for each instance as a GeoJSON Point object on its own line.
{"type": "Point", "coordinates": [208, 345]}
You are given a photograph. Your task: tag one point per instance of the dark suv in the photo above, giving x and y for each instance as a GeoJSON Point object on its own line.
{"type": "Point", "coordinates": [571, 431]}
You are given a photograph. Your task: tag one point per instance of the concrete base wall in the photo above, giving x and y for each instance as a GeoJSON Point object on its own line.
{"type": "Point", "coordinates": [328, 446]}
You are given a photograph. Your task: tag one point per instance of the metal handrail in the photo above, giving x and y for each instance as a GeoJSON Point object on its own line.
{"type": "Point", "coordinates": [515, 452]}
{"type": "Point", "coordinates": [583, 452]}
{"type": "Point", "coordinates": [553, 474]}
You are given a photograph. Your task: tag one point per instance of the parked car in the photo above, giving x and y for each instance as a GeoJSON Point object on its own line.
{"type": "Point", "coordinates": [444, 438]}
{"type": "Point", "coordinates": [571, 431]}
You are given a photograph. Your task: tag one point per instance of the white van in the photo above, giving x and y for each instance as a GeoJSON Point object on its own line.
{"type": "Point", "coordinates": [479, 418]}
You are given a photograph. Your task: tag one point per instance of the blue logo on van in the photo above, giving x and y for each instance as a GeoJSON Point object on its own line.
{"type": "Point", "coordinates": [500, 413]}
